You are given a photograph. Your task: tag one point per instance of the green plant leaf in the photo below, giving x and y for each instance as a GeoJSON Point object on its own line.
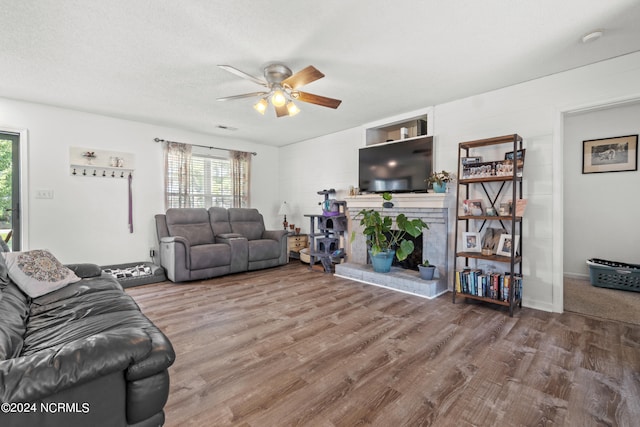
{"type": "Point", "coordinates": [404, 250]}
{"type": "Point", "coordinates": [415, 227]}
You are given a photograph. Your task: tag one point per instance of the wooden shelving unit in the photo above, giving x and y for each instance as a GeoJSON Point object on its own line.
{"type": "Point", "coordinates": [505, 183]}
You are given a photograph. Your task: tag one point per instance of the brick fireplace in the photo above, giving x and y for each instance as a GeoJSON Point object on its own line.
{"type": "Point", "coordinates": [432, 209]}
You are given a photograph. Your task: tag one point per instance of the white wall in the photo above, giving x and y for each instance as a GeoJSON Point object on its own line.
{"type": "Point", "coordinates": [322, 163]}
{"type": "Point", "coordinates": [86, 221]}
{"type": "Point", "coordinates": [533, 110]}
{"type": "Point", "coordinates": [600, 210]}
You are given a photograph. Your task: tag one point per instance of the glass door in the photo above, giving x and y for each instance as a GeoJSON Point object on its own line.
{"type": "Point", "coordinates": [10, 189]}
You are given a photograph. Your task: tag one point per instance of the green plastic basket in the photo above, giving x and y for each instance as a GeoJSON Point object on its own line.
{"type": "Point", "coordinates": [614, 275]}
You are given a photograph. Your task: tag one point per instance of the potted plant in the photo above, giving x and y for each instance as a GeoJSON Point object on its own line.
{"type": "Point", "coordinates": [385, 242]}
{"type": "Point", "coordinates": [426, 270]}
{"type": "Point", "coordinates": [439, 180]}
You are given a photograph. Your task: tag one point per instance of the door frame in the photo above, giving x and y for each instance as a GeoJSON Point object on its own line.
{"type": "Point", "coordinates": [23, 181]}
{"type": "Point", "coordinates": [557, 268]}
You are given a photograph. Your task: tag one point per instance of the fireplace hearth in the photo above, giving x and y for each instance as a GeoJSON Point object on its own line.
{"type": "Point", "coordinates": [432, 244]}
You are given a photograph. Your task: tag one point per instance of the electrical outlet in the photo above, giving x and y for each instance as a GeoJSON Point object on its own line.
{"type": "Point", "coordinates": [152, 252]}
{"type": "Point", "coordinates": [44, 194]}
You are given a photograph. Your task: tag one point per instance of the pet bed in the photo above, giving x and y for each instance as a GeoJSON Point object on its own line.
{"type": "Point", "coordinates": [136, 273]}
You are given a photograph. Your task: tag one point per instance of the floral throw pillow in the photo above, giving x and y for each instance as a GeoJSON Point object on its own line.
{"type": "Point", "coordinates": [38, 272]}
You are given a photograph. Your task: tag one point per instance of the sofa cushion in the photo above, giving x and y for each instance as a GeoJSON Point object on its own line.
{"type": "Point", "coordinates": [219, 218]}
{"type": "Point", "coordinates": [208, 256]}
{"type": "Point", "coordinates": [191, 223]}
{"type": "Point", "coordinates": [14, 310]}
{"type": "Point", "coordinates": [79, 311]}
{"type": "Point", "coordinates": [38, 272]}
{"type": "Point", "coordinates": [247, 222]}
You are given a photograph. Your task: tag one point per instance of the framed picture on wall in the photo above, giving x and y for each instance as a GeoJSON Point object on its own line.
{"type": "Point", "coordinates": [616, 154]}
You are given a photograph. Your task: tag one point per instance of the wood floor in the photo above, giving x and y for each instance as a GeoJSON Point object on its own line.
{"type": "Point", "coordinates": [292, 347]}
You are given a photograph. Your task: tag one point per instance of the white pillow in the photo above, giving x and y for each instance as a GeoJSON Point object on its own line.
{"type": "Point", "coordinates": [38, 272]}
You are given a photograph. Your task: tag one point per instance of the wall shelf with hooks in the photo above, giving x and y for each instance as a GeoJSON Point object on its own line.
{"type": "Point", "coordinates": [100, 163]}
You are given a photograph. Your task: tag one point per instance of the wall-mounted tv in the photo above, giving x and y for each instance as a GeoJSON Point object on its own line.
{"type": "Point", "coordinates": [397, 167]}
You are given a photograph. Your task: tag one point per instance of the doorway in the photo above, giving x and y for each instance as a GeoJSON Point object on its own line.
{"type": "Point", "coordinates": [10, 209]}
{"type": "Point", "coordinates": [599, 212]}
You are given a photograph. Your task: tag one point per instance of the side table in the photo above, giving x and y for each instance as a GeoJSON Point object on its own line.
{"type": "Point", "coordinates": [295, 243]}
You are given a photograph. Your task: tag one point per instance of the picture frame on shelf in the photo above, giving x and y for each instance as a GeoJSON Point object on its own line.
{"type": "Point", "coordinates": [521, 206]}
{"type": "Point", "coordinates": [474, 170]}
{"type": "Point", "coordinates": [518, 157]}
{"type": "Point", "coordinates": [504, 245]}
{"type": "Point", "coordinates": [505, 208]}
{"type": "Point", "coordinates": [472, 207]}
{"type": "Point", "coordinates": [491, 239]}
{"type": "Point", "coordinates": [617, 154]}
{"type": "Point", "coordinates": [471, 241]}
{"type": "Point", "coordinates": [471, 160]}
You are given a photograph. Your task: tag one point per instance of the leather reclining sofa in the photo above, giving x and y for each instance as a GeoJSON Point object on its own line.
{"type": "Point", "coordinates": [82, 355]}
{"type": "Point", "coordinates": [199, 243]}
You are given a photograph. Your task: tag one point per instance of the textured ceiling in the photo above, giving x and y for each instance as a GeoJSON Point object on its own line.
{"type": "Point", "coordinates": [156, 61]}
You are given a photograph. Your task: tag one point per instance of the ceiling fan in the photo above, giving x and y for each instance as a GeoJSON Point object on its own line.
{"type": "Point", "coordinates": [282, 89]}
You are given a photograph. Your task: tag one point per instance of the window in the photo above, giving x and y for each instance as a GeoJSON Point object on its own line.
{"type": "Point", "coordinates": [210, 179]}
{"type": "Point", "coordinates": [202, 181]}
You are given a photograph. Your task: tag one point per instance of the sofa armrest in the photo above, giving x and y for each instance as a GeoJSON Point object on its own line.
{"type": "Point", "coordinates": [84, 271]}
{"type": "Point", "coordinates": [176, 240]}
{"type": "Point", "coordinates": [43, 373]}
{"type": "Point", "coordinates": [175, 256]}
{"type": "Point", "coordinates": [274, 234]}
{"type": "Point", "coordinates": [157, 360]}
{"type": "Point", "coordinates": [279, 236]}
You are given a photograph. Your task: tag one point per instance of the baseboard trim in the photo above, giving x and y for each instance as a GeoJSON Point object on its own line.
{"type": "Point", "coordinates": [576, 276]}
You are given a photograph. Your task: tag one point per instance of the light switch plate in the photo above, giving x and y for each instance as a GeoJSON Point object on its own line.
{"type": "Point", "coordinates": [44, 194]}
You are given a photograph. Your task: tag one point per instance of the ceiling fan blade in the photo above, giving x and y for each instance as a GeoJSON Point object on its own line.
{"type": "Point", "coordinates": [318, 100]}
{"type": "Point", "coordinates": [303, 77]}
{"type": "Point", "coordinates": [244, 75]}
{"type": "Point", "coordinates": [244, 95]}
{"type": "Point", "coordinates": [281, 111]}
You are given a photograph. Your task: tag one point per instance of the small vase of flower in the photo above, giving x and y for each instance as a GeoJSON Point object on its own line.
{"type": "Point", "coordinates": [439, 181]}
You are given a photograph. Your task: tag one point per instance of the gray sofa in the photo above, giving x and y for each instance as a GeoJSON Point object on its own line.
{"type": "Point", "coordinates": [82, 355]}
{"type": "Point", "coordinates": [199, 243]}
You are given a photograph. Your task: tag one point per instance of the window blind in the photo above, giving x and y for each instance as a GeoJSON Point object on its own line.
{"type": "Point", "coordinates": [209, 181]}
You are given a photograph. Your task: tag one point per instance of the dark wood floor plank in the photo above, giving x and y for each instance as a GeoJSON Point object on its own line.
{"type": "Point", "coordinates": [294, 347]}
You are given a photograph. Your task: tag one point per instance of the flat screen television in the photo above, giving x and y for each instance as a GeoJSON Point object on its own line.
{"type": "Point", "coordinates": [397, 167]}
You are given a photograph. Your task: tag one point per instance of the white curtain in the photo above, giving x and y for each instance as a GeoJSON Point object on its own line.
{"type": "Point", "coordinates": [177, 175]}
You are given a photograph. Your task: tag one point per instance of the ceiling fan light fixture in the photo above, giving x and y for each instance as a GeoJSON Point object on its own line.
{"type": "Point", "coordinates": [292, 108]}
{"type": "Point", "coordinates": [282, 89]}
{"type": "Point", "coordinates": [261, 106]}
{"type": "Point", "coordinates": [278, 99]}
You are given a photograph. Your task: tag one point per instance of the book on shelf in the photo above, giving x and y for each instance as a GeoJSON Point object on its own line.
{"type": "Point", "coordinates": [488, 285]}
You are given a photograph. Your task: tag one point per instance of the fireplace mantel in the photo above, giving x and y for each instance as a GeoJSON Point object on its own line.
{"type": "Point", "coordinates": [400, 200]}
